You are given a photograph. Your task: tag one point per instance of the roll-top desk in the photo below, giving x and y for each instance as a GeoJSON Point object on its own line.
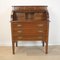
{"type": "Point", "coordinates": [30, 23]}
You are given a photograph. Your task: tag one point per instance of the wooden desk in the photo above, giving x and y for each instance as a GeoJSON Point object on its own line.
{"type": "Point", "coordinates": [29, 23]}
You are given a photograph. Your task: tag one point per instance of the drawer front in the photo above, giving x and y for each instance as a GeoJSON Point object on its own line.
{"type": "Point", "coordinates": [29, 25]}
{"type": "Point", "coordinates": [29, 31]}
{"type": "Point", "coordinates": [34, 30]}
{"type": "Point", "coordinates": [28, 37]}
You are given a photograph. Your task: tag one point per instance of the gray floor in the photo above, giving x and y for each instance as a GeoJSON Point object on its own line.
{"type": "Point", "coordinates": [30, 53]}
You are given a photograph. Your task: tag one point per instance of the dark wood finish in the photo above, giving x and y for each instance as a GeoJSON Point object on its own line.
{"type": "Point", "coordinates": [43, 43]}
{"type": "Point", "coordinates": [16, 44]}
{"type": "Point", "coordinates": [30, 23]}
{"type": "Point", "coordinates": [13, 47]}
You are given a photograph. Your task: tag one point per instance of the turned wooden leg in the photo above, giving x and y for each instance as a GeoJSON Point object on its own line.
{"type": "Point", "coordinates": [46, 47]}
{"type": "Point", "coordinates": [43, 43]}
{"type": "Point", "coordinates": [13, 48]}
{"type": "Point", "coordinates": [16, 44]}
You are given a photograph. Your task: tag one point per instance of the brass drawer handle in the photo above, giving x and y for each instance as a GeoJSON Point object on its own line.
{"type": "Point", "coordinates": [40, 25]}
{"type": "Point", "coordinates": [40, 31]}
{"type": "Point", "coordinates": [19, 31]}
{"type": "Point", "coordinates": [19, 25]}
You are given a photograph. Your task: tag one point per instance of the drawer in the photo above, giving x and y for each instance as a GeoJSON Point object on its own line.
{"type": "Point", "coordinates": [30, 31]}
{"type": "Point", "coordinates": [30, 37]}
{"type": "Point", "coordinates": [29, 25]}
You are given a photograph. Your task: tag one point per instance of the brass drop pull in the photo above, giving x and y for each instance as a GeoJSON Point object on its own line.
{"type": "Point", "coordinates": [19, 31]}
{"type": "Point", "coordinates": [40, 25]}
{"type": "Point", "coordinates": [19, 25]}
{"type": "Point", "coordinates": [40, 31]}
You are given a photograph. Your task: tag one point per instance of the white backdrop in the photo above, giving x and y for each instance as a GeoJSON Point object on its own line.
{"type": "Point", "coordinates": [5, 13]}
